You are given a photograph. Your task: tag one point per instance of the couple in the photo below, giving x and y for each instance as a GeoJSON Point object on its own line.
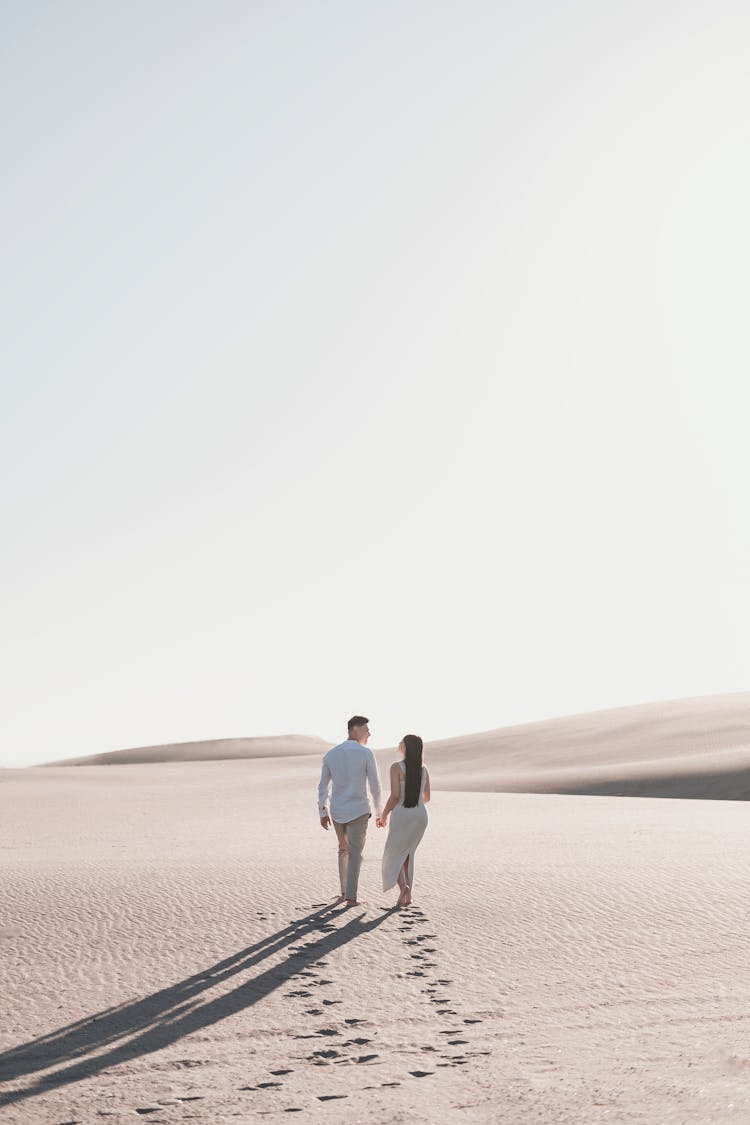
{"type": "Point", "coordinates": [348, 769]}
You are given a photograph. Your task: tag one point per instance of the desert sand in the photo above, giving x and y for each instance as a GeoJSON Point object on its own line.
{"type": "Point", "coordinates": [170, 947]}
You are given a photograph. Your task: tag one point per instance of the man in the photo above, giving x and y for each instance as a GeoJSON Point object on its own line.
{"type": "Point", "coordinates": [349, 768]}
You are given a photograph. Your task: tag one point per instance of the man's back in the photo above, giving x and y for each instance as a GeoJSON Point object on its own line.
{"type": "Point", "coordinates": [350, 766]}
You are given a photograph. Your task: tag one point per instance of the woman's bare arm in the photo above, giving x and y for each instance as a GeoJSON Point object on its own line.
{"type": "Point", "coordinates": [426, 794]}
{"type": "Point", "coordinates": [395, 792]}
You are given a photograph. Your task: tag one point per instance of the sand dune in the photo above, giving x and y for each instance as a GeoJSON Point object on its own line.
{"type": "Point", "coordinates": [685, 748]}
{"type": "Point", "coordinates": [219, 749]}
{"type": "Point", "coordinates": [689, 748]}
{"type": "Point", "coordinates": [642, 732]}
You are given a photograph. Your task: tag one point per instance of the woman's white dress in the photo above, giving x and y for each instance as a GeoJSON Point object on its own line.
{"type": "Point", "coordinates": [405, 830]}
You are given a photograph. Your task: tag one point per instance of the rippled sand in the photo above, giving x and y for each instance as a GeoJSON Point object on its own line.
{"type": "Point", "coordinates": [169, 949]}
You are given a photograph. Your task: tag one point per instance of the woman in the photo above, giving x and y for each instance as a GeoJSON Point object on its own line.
{"type": "Point", "coordinates": [410, 792]}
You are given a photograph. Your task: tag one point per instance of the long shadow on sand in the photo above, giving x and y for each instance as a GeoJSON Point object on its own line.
{"type": "Point", "coordinates": [154, 1022]}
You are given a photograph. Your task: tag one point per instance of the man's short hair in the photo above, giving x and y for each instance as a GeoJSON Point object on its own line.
{"type": "Point", "coordinates": [357, 721]}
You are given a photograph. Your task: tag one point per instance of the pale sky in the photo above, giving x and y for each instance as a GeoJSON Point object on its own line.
{"type": "Point", "coordinates": [383, 357]}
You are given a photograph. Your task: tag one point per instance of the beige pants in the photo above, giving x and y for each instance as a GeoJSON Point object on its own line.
{"type": "Point", "coordinates": [351, 837]}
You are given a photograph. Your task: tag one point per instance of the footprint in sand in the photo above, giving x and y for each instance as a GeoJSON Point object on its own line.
{"type": "Point", "coordinates": [421, 1073]}
{"type": "Point", "coordinates": [330, 1097]}
{"type": "Point", "coordinates": [321, 1031]}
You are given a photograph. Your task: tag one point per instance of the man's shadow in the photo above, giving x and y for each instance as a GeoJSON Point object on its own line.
{"type": "Point", "coordinates": [161, 1019]}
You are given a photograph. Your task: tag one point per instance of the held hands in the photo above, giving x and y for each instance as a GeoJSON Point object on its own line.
{"type": "Point", "coordinates": [381, 821]}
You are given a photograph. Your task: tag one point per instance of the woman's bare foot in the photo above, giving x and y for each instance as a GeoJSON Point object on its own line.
{"type": "Point", "coordinates": [405, 897]}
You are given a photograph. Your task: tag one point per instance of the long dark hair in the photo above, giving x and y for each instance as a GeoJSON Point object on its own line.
{"type": "Point", "coordinates": [413, 758]}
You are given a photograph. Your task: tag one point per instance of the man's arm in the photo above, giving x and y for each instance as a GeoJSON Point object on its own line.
{"type": "Point", "coordinates": [373, 780]}
{"type": "Point", "coordinates": [323, 787]}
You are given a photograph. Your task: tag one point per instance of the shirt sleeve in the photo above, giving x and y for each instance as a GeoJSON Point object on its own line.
{"type": "Point", "coordinates": [373, 778]}
{"type": "Point", "coordinates": [325, 782]}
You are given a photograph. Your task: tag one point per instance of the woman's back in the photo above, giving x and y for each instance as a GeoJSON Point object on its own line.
{"type": "Point", "coordinates": [402, 785]}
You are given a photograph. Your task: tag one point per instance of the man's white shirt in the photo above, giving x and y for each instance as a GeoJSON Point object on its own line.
{"type": "Point", "coordinates": [347, 770]}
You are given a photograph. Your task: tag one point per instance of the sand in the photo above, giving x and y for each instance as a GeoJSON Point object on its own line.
{"type": "Point", "coordinates": [697, 748]}
{"type": "Point", "coordinates": [170, 949]}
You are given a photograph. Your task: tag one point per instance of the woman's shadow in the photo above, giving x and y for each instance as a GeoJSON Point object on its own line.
{"type": "Point", "coordinates": [161, 1019]}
